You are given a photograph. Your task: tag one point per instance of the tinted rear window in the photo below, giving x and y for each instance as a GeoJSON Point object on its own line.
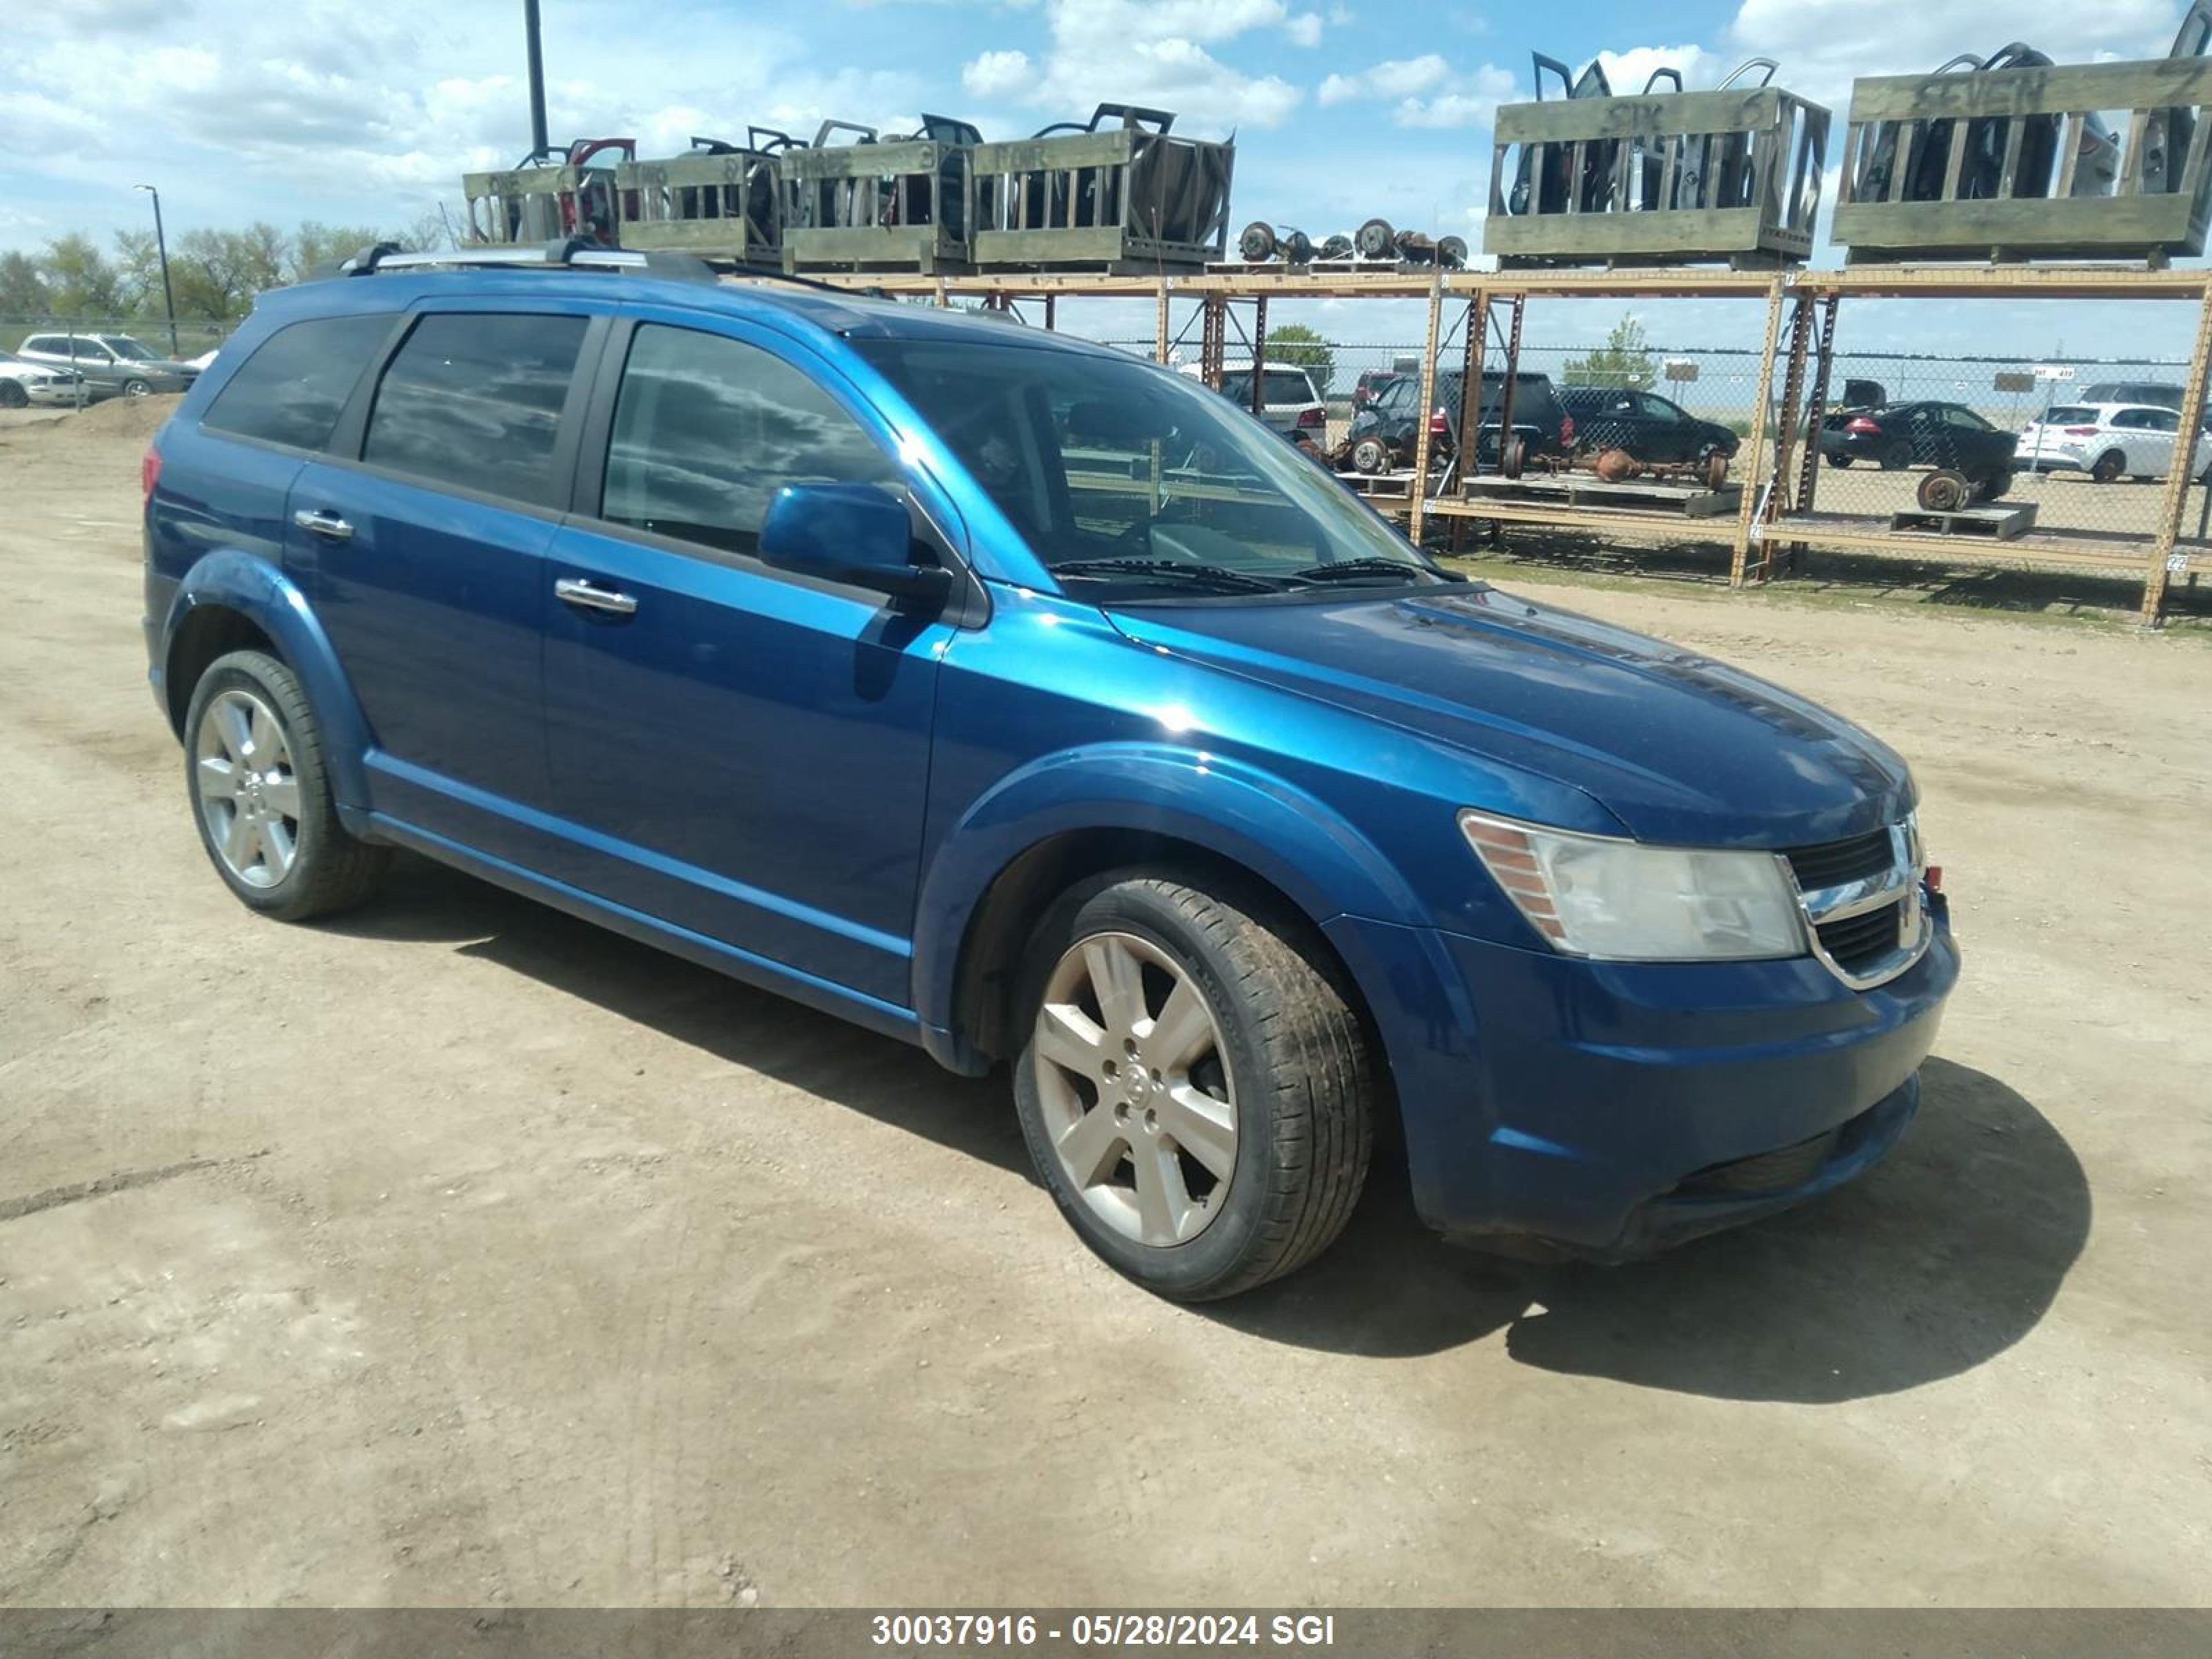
{"type": "Point", "coordinates": [475, 401]}
{"type": "Point", "coordinates": [1279, 385]}
{"type": "Point", "coordinates": [296, 385]}
{"type": "Point", "coordinates": [2073, 414]}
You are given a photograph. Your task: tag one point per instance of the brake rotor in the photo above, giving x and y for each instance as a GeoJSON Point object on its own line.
{"type": "Point", "coordinates": [1377, 240]}
{"type": "Point", "coordinates": [1945, 491]}
{"type": "Point", "coordinates": [1257, 243]}
{"type": "Point", "coordinates": [1371, 455]}
{"type": "Point", "coordinates": [1716, 469]}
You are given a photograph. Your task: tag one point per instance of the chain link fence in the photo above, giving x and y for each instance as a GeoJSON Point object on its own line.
{"type": "Point", "coordinates": [193, 337]}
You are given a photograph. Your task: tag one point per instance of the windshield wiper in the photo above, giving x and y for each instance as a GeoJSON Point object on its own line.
{"type": "Point", "coordinates": [1367, 569]}
{"type": "Point", "coordinates": [1218, 575]}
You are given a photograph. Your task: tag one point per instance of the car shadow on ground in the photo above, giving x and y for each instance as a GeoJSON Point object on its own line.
{"type": "Point", "coordinates": [1938, 1260]}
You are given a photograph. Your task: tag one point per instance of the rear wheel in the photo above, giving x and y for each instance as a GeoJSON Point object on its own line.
{"type": "Point", "coordinates": [261, 795]}
{"type": "Point", "coordinates": [2108, 466]}
{"type": "Point", "coordinates": [136, 388]}
{"type": "Point", "coordinates": [1195, 1091]}
{"type": "Point", "coordinates": [1839, 460]}
{"type": "Point", "coordinates": [12, 395]}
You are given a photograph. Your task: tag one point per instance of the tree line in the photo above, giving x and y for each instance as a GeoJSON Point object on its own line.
{"type": "Point", "coordinates": [215, 274]}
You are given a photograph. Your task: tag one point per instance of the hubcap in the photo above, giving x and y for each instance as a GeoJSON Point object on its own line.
{"type": "Point", "coordinates": [249, 795]}
{"type": "Point", "coordinates": [1134, 1078]}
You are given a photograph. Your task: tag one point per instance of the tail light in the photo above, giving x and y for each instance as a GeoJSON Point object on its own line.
{"type": "Point", "coordinates": [1934, 877]}
{"type": "Point", "coordinates": [1313, 417]}
{"type": "Point", "coordinates": [1863, 426]}
{"type": "Point", "coordinates": [150, 474]}
{"type": "Point", "coordinates": [2081, 431]}
{"type": "Point", "coordinates": [1437, 428]}
{"type": "Point", "coordinates": [1566, 431]}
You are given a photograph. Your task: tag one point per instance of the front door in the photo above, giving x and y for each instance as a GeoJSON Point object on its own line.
{"type": "Point", "coordinates": [740, 752]}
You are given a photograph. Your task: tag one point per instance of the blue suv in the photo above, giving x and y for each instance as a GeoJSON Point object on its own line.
{"type": "Point", "coordinates": [1025, 699]}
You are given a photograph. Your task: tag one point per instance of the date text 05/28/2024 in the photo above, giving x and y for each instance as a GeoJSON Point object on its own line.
{"type": "Point", "coordinates": [1106, 1630]}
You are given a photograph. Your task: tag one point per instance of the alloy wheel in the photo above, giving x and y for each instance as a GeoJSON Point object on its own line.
{"type": "Point", "coordinates": [1138, 1100]}
{"type": "Point", "coordinates": [249, 793]}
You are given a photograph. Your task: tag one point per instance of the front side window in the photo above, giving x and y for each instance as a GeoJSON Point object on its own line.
{"type": "Point", "coordinates": [1132, 482]}
{"type": "Point", "coordinates": [706, 429]}
{"type": "Point", "coordinates": [294, 387]}
{"type": "Point", "coordinates": [130, 350]}
{"type": "Point", "coordinates": [474, 401]}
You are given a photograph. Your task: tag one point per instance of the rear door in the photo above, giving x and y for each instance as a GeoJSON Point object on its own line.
{"type": "Point", "coordinates": [2150, 435]}
{"type": "Point", "coordinates": [425, 540]}
{"type": "Point", "coordinates": [737, 752]}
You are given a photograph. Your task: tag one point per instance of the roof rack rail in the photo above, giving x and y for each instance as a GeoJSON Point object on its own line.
{"type": "Point", "coordinates": [564, 253]}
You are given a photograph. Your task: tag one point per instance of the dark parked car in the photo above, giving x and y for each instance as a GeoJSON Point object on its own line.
{"type": "Point", "coordinates": [1370, 386]}
{"type": "Point", "coordinates": [1649, 426]}
{"type": "Point", "coordinates": [1898, 435]}
{"type": "Point", "coordinates": [774, 628]}
{"type": "Point", "coordinates": [1384, 436]}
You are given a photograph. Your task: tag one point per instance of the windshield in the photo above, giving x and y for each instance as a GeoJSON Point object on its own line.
{"type": "Point", "coordinates": [124, 346]}
{"type": "Point", "coordinates": [1133, 482]}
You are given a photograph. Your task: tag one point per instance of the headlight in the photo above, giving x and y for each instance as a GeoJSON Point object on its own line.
{"type": "Point", "coordinates": [1591, 896]}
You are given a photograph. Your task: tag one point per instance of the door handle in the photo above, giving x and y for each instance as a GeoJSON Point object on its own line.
{"type": "Point", "coordinates": [321, 521]}
{"type": "Point", "coordinates": [571, 591]}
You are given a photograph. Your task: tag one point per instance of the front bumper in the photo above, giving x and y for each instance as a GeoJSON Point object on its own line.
{"type": "Point", "coordinates": [1616, 1108]}
{"type": "Point", "coordinates": [52, 394]}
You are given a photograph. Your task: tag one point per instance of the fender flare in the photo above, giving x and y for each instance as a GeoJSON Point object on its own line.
{"type": "Point", "coordinates": [1255, 819]}
{"type": "Point", "coordinates": [232, 579]}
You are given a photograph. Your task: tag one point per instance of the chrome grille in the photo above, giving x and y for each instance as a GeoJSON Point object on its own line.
{"type": "Point", "coordinates": [1863, 905]}
{"type": "Point", "coordinates": [1835, 862]}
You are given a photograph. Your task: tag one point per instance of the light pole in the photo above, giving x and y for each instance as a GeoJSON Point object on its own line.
{"type": "Point", "coordinates": [162, 247]}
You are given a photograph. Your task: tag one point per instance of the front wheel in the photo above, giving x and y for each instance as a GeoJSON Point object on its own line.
{"type": "Point", "coordinates": [12, 395]}
{"type": "Point", "coordinates": [261, 794]}
{"type": "Point", "coordinates": [2108, 466]}
{"type": "Point", "coordinates": [1195, 1091]}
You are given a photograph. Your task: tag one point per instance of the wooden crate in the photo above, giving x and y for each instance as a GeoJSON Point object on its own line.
{"type": "Point", "coordinates": [538, 204]}
{"type": "Point", "coordinates": [1129, 197]}
{"type": "Point", "coordinates": [1680, 178]}
{"type": "Point", "coordinates": [727, 204]}
{"type": "Point", "coordinates": [2154, 212]}
{"type": "Point", "coordinates": [897, 204]}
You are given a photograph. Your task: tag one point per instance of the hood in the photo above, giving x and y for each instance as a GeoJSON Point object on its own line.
{"type": "Point", "coordinates": [1678, 747]}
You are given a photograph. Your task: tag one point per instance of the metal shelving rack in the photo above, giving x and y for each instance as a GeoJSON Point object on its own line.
{"type": "Point", "coordinates": [1778, 509]}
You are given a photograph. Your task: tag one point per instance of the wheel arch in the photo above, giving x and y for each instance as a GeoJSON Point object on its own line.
{"type": "Point", "coordinates": [230, 601]}
{"type": "Point", "coordinates": [1013, 853]}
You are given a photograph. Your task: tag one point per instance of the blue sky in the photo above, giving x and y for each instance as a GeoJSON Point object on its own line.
{"type": "Point", "coordinates": [367, 113]}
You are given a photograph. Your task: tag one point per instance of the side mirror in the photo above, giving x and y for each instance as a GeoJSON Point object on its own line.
{"type": "Point", "coordinates": [858, 534]}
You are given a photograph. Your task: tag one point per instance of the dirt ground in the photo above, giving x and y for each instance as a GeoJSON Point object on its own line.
{"type": "Point", "coordinates": [458, 1253]}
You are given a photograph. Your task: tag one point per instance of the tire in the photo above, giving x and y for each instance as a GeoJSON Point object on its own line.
{"type": "Point", "coordinates": [12, 395]}
{"type": "Point", "coordinates": [2107, 467]}
{"type": "Point", "coordinates": [1839, 460]}
{"type": "Point", "coordinates": [1514, 457]}
{"type": "Point", "coordinates": [136, 388]}
{"type": "Point", "coordinates": [1277, 1168]}
{"type": "Point", "coordinates": [245, 826]}
{"type": "Point", "coordinates": [1896, 458]}
{"type": "Point", "coordinates": [1992, 488]}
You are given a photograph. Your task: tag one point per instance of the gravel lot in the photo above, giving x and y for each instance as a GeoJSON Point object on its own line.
{"type": "Point", "coordinates": [458, 1253]}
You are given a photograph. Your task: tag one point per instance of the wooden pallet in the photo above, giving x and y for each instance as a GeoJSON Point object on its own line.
{"type": "Point", "coordinates": [1382, 486]}
{"type": "Point", "coordinates": [1999, 523]}
{"type": "Point", "coordinates": [1689, 501]}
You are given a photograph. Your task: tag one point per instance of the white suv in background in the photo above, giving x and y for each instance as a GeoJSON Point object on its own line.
{"type": "Point", "coordinates": [2108, 441]}
{"type": "Point", "coordinates": [1289, 403]}
{"type": "Point", "coordinates": [23, 384]}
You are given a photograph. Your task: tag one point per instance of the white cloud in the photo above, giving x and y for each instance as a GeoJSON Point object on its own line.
{"type": "Point", "coordinates": [1305, 30]}
{"type": "Point", "coordinates": [997, 74]}
{"type": "Point", "coordinates": [1627, 71]}
{"type": "Point", "coordinates": [1395, 77]}
{"type": "Point", "coordinates": [1147, 51]}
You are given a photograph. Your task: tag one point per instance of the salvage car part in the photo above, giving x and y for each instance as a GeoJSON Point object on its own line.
{"type": "Point", "coordinates": [721, 199]}
{"type": "Point", "coordinates": [1120, 187]}
{"type": "Point", "coordinates": [896, 202]}
{"type": "Point", "coordinates": [548, 195]}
